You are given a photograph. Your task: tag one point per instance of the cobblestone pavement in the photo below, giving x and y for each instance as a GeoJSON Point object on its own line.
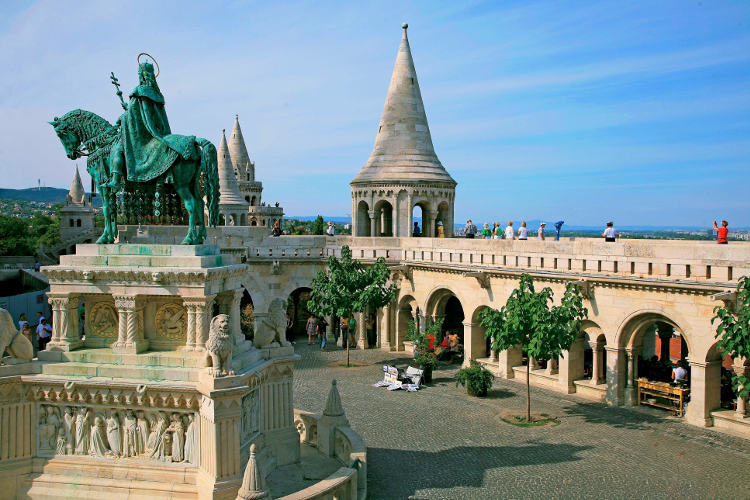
{"type": "Point", "coordinates": [440, 443]}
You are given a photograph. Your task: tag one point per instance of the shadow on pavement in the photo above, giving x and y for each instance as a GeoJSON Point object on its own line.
{"type": "Point", "coordinates": [400, 473]}
{"type": "Point", "coordinates": [616, 416]}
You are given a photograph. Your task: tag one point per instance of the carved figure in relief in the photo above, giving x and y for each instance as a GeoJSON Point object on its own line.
{"type": "Point", "coordinates": [190, 443]}
{"type": "Point", "coordinates": [113, 434]}
{"type": "Point", "coordinates": [151, 441]}
{"type": "Point", "coordinates": [177, 428]}
{"type": "Point", "coordinates": [219, 346]}
{"type": "Point", "coordinates": [98, 445]}
{"type": "Point", "coordinates": [83, 430]}
{"type": "Point", "coordinates": [53, 423]}
{"type": "Point", "coordinates": [18, 347]}
{"type": "Point", "coordinates": [60, 449]}
{"type": "Point", "coordinates": [129, 437]}
{"type": "Point", "coordinates": [69, 423]}
{"type": "Point", "coordinates": [44, 430]}
{"type": "Point", "coordinates": [103, 320]}
{"type": "Point", "coordinates": [171, 321]}
{"type": "Point", "coordinates": [273, 331]}
{"type": "Point", "coordinates": [141, 433]}
{"type": "Point", "coordinates": [159, 435]}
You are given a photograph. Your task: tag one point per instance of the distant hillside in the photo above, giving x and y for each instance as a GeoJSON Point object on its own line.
{"type": "Point", "coordinates": [42, 195]}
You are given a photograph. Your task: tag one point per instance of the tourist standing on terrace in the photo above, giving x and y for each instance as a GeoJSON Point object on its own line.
{"type": "Point", "coordinates": [509, 235]}
{"type": "Point", "coordinates": [497, 233]}
{"type": "Point", "coordinates": [523, 232]}
{"type": "Point", "coordinates": [440, 230]}
{"type": "Point", "coordinates": [44, 332]}
{"type": "Point", "coordinates": [540, 232]}
{"type": "Point", "coordinates": [486, 233]}
{"type": "Point", "coordinates": [470, 229]}
{"type": "Point", "coordinates": [416, 232]}
{"type": "Point", "coordinates": [330, 231]}
{"type": "Point", "coordinates": [276, 230]}
{"type": "Point", "coordinates": [610, 234]}
{"type": "Point", "coordinates": [722, 231]}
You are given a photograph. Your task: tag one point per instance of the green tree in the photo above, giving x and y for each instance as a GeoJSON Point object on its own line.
{"type": "Point", "coordinates": [733, 331]}
{"type": "Point", "coordinates": [16, 239]}
{"type": "Point", "coordinates": [45, 229]}
{"type": "Point", "coordinates": [348, 286]}
{"type": "Point", "coordinates": [318, 225]}
{"type": "Point", "coordinates": [528, 320]}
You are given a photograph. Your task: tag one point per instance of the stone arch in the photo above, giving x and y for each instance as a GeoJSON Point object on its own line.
{"type": "Point", "coordinates": [253, 221]}
{"type": "Point", "coordinates": [632, 326]}
{"type": "Point", "coordinates": [383, 218]}
{"type": "Point", "coordinates": [476, 346]}
{"type": "Point", "coordinates": [426, 210]}
{"type": "Point", "coordinates": [405, 314]}
{"type": "Point", "coordinates": [363, 219]}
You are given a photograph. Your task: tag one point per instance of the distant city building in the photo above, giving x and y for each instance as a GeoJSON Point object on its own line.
{"type": "Point", "coordinates": [403, 171]}
{"type": "Point", "coordinates": [77, 216]}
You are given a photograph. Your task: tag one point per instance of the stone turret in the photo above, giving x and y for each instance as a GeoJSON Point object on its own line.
{"type": "Point", "coordinates": [77, 216]}
{"type": "Point", "coordinates": [403, 170]}
{"type": "Point", "coordinates": [243, 167]}
{"type": "Point", "coordinates": [232, 205]}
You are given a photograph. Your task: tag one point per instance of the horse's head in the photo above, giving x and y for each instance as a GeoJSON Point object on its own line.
{"type": "Point", "coordinates": [68, 135]}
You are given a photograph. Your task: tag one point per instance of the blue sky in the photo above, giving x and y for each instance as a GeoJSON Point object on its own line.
{"type": "Point", "coordinates": [582, 111]}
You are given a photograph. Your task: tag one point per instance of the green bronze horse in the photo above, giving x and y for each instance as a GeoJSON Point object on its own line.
{"type": "Point", "coordinates": [84, 133]}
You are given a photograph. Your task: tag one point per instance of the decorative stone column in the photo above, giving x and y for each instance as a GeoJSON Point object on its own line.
{"type": "Point", "coordinates": [229, 304]}
{"type": "Point", "coordinates": [190, 334]}
{"type": "Point", "coordinates": [631, 390]}
{"type": "Point", "coordinates": [741, 411]}
{"type": "Point", "coordinates": [428, 223]}
{"type": "Point", "coordinates": [371, 213]}
{"type": "Point", "coordinates": [665, 332]}
{"type": "Point", "coordinates": [552, 367]}
{"type": "Point", "coordinates": [220, 469]}
{"type": "Point", "coordinates": [474, 343]}
{"type": "Point", "coordinates": [386, 328]}
{"type": "Point", "coordinates": [130, 331]}
{"type": "Point", "coordinates": [705, 379]}
{"type": "Point", "coordinates": [361, 336]}
{"type": "Point", "coordinates": [570, 366]}
{"type": "Point", "coordinates": [330, 333]}
{"type": "Point", "coordinates": [65, 331]}
{"type": "Point", "coordinates": [597, 377]}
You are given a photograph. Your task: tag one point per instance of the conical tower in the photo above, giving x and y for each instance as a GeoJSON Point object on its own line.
{"type": "Point", "coordinates": [403, 170]}
{"type": "Point", "coordinates": [231, 203]}
{"type": "Point", "coordinates": [76, 195]}
{"type": "Point", "coordinates": [244, 168]}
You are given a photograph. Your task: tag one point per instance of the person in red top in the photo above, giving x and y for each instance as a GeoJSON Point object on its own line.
{"type": "Point", "coordinates": [722, 232]}
{"type": "Point", "coordinates": [446, 343]}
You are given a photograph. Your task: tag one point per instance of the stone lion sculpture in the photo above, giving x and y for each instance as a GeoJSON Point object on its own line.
{"type": "Point", "coordinates": [19, 348]}
{"type": "Point", "coordinates": [273, 327]}
{"type": "Point", "coordinates": [219, 347]}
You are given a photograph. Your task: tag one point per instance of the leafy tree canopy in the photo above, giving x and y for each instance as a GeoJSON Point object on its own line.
{"type": "Point", "coordinates": [733, 331]}
{"type": "Point", "coordinates": [318, 225]}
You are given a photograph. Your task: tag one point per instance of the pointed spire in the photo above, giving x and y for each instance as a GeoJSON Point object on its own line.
{"type": "Point", "coordinates": [253, 482]}
{"type": "Point", "coordinates": [76, 195]}
{"type": "Point", "coordinates": [333, 404]}
{"type": "Point", "coordinates": [403, 148]}
{"type": "Point", "coordinates": [237, 149]}
{"type": "Point", "coordinates": [229, 192]}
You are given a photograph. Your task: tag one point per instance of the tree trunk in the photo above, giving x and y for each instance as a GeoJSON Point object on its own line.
{"type": "Point", "coordinates": [528, 392]}
{"type": "Point", "coordinates": [348, 337]}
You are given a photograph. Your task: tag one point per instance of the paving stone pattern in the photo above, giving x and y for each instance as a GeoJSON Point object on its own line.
{"type": "Point", "coordinates": [439, 443]}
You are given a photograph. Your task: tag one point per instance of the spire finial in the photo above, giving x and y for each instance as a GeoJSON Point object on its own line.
{"type": "Point", "coordinates": [405, 26]}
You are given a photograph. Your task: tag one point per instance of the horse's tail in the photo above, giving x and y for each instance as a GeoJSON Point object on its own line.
{"type": "Point", "coordinates": [210, 170]}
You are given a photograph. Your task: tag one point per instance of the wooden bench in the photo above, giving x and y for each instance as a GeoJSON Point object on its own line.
{"type": "Point", "coordinates": [665, 395]}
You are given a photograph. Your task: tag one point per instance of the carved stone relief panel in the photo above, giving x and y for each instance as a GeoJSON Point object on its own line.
{"type": "Point", "coordinates": [132, 434]}
{"type": "Point", "coordinates": [171, 321]}
{"type": "Point", "coordinates": [101, 320]}
{"type": "Point", "coordinates": [250, 421]}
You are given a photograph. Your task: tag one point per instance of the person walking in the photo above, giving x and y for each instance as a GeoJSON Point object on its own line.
{"type": "Point", "coordinates": [610, 234]}
{"type": "Point", "coordinates": [486, 233]}
{"type": "Point", "coordinates": [523, 232]}
{"type": "Point", "coordinates": [540, 232]}
{"type": "Point", "coordinates": [44, 332]}
{"type": "Point", "coordinates": [416, 232]}
{"type": "Point", "coordinates": [722, 232]}
{"type": "Point", "coordinates": [312, 328]}
{"type": "Point", "coordinates": [509, 234]}
{"type": "Point", "coordinates": [322, 327]}
{"type": "Point", "coordinates": [470, 229]}
{"type": "Point", "coordinates": [330, 231]}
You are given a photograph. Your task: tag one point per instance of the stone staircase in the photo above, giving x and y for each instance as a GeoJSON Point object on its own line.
{"type": "Point", "coordinates": [61, 478]}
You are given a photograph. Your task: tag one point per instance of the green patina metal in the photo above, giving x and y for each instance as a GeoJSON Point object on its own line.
{"type": "Point", "coordinates": [140, 167]}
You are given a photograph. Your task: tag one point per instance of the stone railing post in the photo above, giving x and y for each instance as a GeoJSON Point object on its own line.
{"type": "Point", "coordinates": [596, 363]}
{"type": "Point", "coordinates": [385, 329]}
{"type": "Point", "coordinates": [203, 313]}
{"type": "Point", "coordinates": [190, 333]}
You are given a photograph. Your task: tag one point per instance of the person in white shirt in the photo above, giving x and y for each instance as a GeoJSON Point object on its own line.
{"type": "Point", "coordinates": [540, 232]}
{"type": "Point", "coordinates": [44, 332]}
{"type": "Point", "coordinates": [330, 231]}
{"type": "Point", "coordinates": [509, 231]}
{"type": "Point", "coordinates": [679, 373]}
{"type": "Point", "coordinates": [22, 321]}
{"type": "Point", "coordinates": [610, 234]}
{"type": "Point", "coordinates": [523, 232]}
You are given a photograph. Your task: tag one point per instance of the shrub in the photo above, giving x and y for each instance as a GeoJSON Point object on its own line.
{"type": "Point", "coordinates": [476, 378]}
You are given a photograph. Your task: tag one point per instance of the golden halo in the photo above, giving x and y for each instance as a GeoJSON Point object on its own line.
{"type": "Point", "coordinates": [152, 58]}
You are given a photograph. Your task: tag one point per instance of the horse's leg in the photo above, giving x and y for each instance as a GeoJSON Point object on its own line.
{"type": "Point", "coordinates": [106, 236]}
{"type": "Point", "coordinates": [183, 188]}
{"type": "Point", "coordinates": [200, 206]}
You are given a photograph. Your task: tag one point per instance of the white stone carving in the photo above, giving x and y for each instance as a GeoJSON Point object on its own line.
{"type": "Point", "coordinates": [18, 346]}
{"type": "Point", "coordinates": [171, 321]}
{"type": "Point", "coordinates": [102, 320]}
{"type": "Point", "coordinates": [219, 346]}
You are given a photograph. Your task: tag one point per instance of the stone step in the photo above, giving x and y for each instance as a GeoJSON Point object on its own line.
{"type": "Point", "coordinates": [92, 262]}
{"type": "Point", "coordinates": [163, 359]}
{"type": "Point", "coordinates": [135, 469]}
{"type": "Point", "coordinates": [56, 486]}
{"type": "Point", "coordinates": [150, 373]}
